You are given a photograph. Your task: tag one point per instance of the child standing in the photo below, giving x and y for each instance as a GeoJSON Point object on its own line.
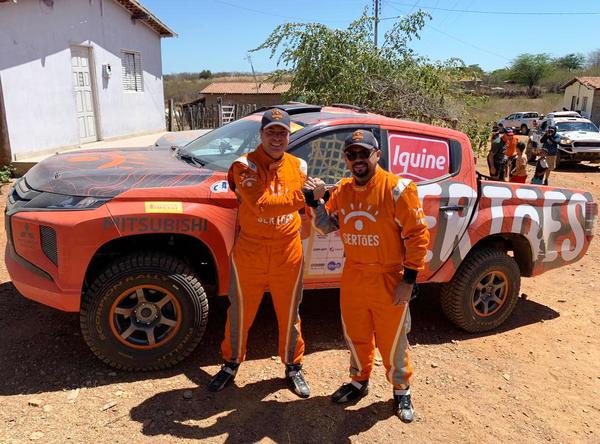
{"type": "Point", "coordinates": [519, 173]}
{"type": "Point", "coordinates": [541, 167]}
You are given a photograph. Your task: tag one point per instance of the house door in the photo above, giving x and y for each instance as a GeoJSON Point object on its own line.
{"type": "Point", "coordinates": [84, 95]}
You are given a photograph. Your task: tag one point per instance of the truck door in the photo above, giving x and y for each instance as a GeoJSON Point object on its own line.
{"type": "Point", "coordinates": [324, 154]}
{"type": "Point", "coordinates": [446, 182]}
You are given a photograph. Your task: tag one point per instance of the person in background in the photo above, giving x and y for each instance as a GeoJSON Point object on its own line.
{"type": "Point", "coordinates": [519, 173]}
{"type": "Point", "coordinates": [497, 155]}
{"type": "Point", "coordinates": [550, 142]}
{"type": "Point", "coordinates": [541, 167]}
{"type": "Point", "coordinates": [511, 141]}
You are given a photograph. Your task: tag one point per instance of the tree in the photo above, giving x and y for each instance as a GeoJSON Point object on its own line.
{"type": "Point", "coordinates": [570, 62]}
{"type": "Point", "coordinates": [594, 59]}
{"type": "Point", "coordinates": [529, 69]}
{"type": "Point", "coordinates": [343, 65]}
{"type": "Point", "coordinates": [205, 74]}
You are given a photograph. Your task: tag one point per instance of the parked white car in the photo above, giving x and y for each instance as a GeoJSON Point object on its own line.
{"type": "Point", "coordinates": [580, 138]}
{"type": "Point", "coordinates": [522, 121]}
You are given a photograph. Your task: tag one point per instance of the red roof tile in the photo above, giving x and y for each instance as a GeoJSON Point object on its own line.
{"type": "Point", "coordinates": [245, 88]}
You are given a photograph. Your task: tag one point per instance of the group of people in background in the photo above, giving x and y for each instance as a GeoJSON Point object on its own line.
{"type": "Point", "coordinates": [507, 159]}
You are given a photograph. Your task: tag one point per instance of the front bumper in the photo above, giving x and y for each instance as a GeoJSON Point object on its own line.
{"type": "Point", "coordinates": [48, 252]}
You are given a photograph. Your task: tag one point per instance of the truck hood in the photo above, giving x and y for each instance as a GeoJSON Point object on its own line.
{"type": "Point", "coordinates": [580, 136]}
{"type": "Point", "coordinates": [107, 173]}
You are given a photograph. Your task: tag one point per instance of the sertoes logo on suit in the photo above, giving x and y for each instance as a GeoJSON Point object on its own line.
{"type": "Point", "coordinates": [357, 217]}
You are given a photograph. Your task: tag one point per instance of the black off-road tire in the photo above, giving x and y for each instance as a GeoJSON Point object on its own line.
{"type": "Point", "coordinates": [160, 277]}
{"type": "Point", "coordinates": [459, 297]}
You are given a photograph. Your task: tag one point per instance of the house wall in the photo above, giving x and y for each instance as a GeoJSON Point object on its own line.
{"type": "Point", "coordinates": [244, 99]}
{"type": "Point", "coordinates": [579, 91]}
{"type": "Point", "coordinates": [596, 108]}
{"type": "Point", "coordinates": [37, 80]}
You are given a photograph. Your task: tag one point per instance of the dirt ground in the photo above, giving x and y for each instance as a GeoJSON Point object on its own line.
{"type": "Point", "coordinates": [536, 379]}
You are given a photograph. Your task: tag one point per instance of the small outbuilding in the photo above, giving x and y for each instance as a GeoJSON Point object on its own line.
{"type": "Point", "coordinates": [244, 93]}
{"type": "Point", "coordinates": [582, 94]}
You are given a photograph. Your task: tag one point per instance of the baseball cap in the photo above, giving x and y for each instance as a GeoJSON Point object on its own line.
{"type": "Point", "coordinates": [364, 138]}
{"type": "Point", "coordinates": [275, 116]}
{"type": "Point", "coordinates": [509, 132]}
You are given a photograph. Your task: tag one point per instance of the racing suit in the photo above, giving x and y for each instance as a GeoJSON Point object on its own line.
{"type": "Point", "coordinates": [267, 252]}
{"type": "Point", "coordinates": [385, 239]}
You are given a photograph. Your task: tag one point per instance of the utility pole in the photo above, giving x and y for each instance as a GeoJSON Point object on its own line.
{"type": "Point", "coordinates": [253, 73]}
{"type": "Point", "coordinates": [377, 7]}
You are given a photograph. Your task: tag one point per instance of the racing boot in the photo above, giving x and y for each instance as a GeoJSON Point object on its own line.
{"type": "Point", "coordinates": [351, 392]}
{"type": "Point", "coordinates": [295, 380]}
{"type": "Point", "coordinates": [403, 405]}
{"type": "Point", "coordinates": [224, 377]}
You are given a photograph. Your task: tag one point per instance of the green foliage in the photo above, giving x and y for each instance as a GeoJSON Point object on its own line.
{"type": "Point", "coordinates": [529, 69]}
{"type": "Point", "coordinates": [594, 59]}
{"type": "Point", "coordinates": [6, 173]}
{"type": "Point", "coordinates": [344, 66]}
{"type": "Point", "coordinates": [570, 62]}
{"type": "Point", "coordinates": [478, 132]}
{"type": "Point", "coordinates": [205, 74]}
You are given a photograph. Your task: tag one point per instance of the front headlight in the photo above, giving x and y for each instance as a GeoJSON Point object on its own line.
{"type": "Point", "coordinates": [54, 201]}
{"type": "Point", "coordinates": [566, 141]}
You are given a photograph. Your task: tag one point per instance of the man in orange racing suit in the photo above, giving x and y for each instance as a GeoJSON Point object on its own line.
{"type": "Point", "coordinates": [385, 240]}
{"type": "Point", "coordinates": [267, 251]}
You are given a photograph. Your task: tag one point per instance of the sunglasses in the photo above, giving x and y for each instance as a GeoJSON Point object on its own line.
{"type": "Point", "coordinates": [363, 154]}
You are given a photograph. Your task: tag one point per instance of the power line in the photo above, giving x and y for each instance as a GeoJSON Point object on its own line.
{"type": "Point", "coordinates": [270, 14]}
{"type": "Point", "coordinates": [468, 11]}
{"type": "Point", "coordinates": [467, 43]}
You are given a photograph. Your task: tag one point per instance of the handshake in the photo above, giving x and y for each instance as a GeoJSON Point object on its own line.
{"type": "Point", "coordinates": [314, 190]}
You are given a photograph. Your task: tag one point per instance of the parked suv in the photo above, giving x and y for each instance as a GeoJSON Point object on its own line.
{"type": "Point", "coordinates": [522, 121]}
{"type": "Point", "coordinates": [579, 138]}
{"type": "Point", "coordinates": [135, 240]}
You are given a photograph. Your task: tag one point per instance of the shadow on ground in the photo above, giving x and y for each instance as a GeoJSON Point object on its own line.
{"type": "Point", "coordinates": [268, 418]}
{"type": "Point", "coordinates": [43, 351]}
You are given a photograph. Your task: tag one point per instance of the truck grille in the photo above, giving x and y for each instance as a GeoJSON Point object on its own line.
{"type": "Point", "coordinates": [587, 144]}
{"type": "Point", "coordinates": [48, 241]}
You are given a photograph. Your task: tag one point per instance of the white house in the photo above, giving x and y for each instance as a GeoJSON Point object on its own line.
{"type": "Point", "coordinates": [583, 94]}
{"type": "Point", "coordinates": [77, 71]}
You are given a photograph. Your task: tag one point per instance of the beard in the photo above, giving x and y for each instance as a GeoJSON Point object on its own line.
{"type": "Point", "coordinates": [360, 169]}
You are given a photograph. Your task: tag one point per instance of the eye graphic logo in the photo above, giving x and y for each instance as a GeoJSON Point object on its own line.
{"type": "Point", "coordinates": [357, 213]}
{"type": "Point", "coordinates": [249, 181]}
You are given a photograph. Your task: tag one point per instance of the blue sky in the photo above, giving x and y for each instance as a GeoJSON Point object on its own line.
{"type": "Point", "coordinates": [217, 34]}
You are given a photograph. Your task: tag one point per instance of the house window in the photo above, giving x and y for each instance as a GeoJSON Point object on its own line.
{"type": "Point", "coordinates": [584, 106]}
{"type": "Point", "coordinates": [131, 63]}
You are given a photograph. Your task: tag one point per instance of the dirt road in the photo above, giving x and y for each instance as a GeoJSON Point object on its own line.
{"type": "Point", "coordinates": [537, 379]}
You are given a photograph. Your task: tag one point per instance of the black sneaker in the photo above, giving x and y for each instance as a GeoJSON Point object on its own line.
{"type": "Point", "coordinates": [296, 381]}
{"type": "Point", "coordinates": [224, 377]}
{"type": "Point", "coordinates": [350, 392]}
{"type": "Point", "coordinates": [403, 405]}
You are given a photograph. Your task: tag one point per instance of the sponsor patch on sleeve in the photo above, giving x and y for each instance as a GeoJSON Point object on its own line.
{"type": "Point", "coordinates": [164, 207]}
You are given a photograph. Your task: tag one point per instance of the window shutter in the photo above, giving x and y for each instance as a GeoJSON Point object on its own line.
{"type": "Point", "coordinates": [139, 74]}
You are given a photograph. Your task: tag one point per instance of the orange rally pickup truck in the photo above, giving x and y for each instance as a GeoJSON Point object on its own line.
{"type": "Point", "coordinates": [135, 240]}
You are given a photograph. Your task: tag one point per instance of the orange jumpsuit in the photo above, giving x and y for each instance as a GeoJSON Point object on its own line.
{"type": "Point", "coordinates": [267, 251]}
{"type": "Point", "coordinates": [385, 235]}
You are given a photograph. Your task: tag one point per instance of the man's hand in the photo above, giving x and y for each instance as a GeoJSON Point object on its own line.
{"type": "Point", "coordinates": [402, 293]}
{"type": "Point", "coordinates": [492, 171]}
{"type": "Point", "coordinates": [316, 185]}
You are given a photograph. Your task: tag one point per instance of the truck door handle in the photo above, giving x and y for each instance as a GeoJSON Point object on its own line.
{"type": "Point", "coordinates": [453, 208]}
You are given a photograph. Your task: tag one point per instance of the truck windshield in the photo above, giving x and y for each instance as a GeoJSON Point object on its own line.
{"type": "Point", "coordinates": [219, 148]}
{"type": "Point", "coordinates": [576, 126]}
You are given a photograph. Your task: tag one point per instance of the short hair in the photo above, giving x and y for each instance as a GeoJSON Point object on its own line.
{"type": "Point", "coordinates": [521, 146]}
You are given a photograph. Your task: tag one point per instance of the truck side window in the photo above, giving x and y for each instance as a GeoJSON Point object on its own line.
{"type": "Point", "coordinates": [324, 155]}
{"type": "Point", "coordinates": [418, 157]}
